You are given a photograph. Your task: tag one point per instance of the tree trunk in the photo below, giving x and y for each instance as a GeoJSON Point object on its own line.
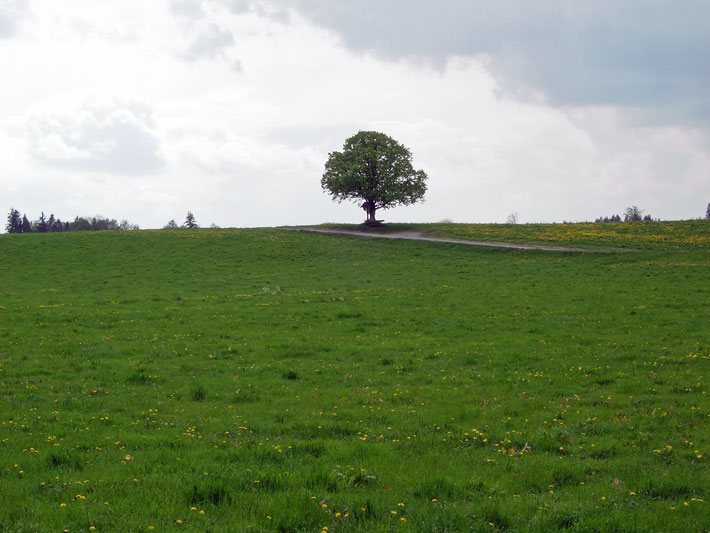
{"type": "Point", "coordinates": [370, 210]}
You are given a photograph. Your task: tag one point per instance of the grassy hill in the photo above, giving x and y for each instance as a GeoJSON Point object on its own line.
{"type": "Point", "coordinates": [676, 235]}
{"type": "Point", "coordinates": [276, 380]}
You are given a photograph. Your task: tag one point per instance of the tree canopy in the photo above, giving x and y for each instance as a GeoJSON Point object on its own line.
{"type": "Point", "coordinates": [375, 168]}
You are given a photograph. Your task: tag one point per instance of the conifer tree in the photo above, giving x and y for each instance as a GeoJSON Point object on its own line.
{"type": "Point", "coordinates": [14, 222]}
{"type": "Point", "coordinates": [41, 225]}
{"type": "Point", "coordinates": [26, 226]}
{"type": "Point", "coordinates": [190, 221]}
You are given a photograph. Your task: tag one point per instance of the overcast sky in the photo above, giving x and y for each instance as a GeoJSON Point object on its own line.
{"type": "Point", "coordinates": [556, 110]}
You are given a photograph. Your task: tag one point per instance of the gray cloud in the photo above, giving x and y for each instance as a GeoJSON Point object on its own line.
{"type": "Point", "coordinates": [210, 43]}
{"type": "Point", "coordinates": [10, 12]}
{"type": "Point", "coordinates": [239, 6]}
{"type": "Point", "coordinates": [636, 53]}
{"type": "Point", "coordinates": [321, 135]}
{"type": "Point", "coordinates": [271, 10]}
{"type": "Point", "coordinates": [186, 8]}
{"type": "Point", "coordinates": [117, 138]}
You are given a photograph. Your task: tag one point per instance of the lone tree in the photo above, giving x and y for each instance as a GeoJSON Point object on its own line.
{"type": "Point", "coordinates": [633, 214]}
{"type": "Point", "coordinates": [375, 168]}
{"type": "Point", "coordinates": [190, 221]}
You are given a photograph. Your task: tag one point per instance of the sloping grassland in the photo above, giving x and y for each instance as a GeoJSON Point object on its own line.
{"type": "Point", "coordinates": [257, 380]}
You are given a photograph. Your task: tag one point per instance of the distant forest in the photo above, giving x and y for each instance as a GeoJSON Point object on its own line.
{"type": "Point", "coordinates": [634, 214]}
{"type": "Point", "coordinates": [17, 223]}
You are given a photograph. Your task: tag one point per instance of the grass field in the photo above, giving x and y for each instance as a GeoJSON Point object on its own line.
{"type": "Point", "coordinates": [677, 235]}
{"type": "Point", "coordinates": [259, 380]}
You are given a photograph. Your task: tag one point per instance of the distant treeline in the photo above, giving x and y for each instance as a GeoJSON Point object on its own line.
{"type": "Point", "coordinates": [189, 223]}
{"type": "Point", "coordinates": [17, 223]}
{"type": "Point", "coordinates": [632, 214]}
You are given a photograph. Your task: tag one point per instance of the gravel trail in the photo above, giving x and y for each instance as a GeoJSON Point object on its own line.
{"type": "Point", "coordinates": [418, 236]}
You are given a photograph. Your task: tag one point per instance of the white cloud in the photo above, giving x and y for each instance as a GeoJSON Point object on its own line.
{"type": "Point", "coordinates": [10, 13]}
{"type": "Point", "coordinates": [209, 43]}
{"type": "Point", "coordinates": [186, 8]}
{"type": "Point", "coordinates": [116, 137]}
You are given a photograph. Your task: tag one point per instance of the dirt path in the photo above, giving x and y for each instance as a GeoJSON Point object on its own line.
{"type": "Point", "coordinates": [418, 236]}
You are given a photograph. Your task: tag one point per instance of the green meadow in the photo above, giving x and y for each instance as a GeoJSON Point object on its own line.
{"type": "Point", "coordinates": [276, 380]}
